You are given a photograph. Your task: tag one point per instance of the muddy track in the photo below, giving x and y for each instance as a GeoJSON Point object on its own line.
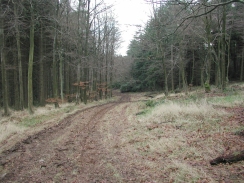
{"type": "Point", "coordinates": [71, 151]}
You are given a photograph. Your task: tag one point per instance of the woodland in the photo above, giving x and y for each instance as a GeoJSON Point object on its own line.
{"type": "Point", "coordinates": [61, 118]}
{"type": "Point", "coordinates": [53, 51]}
{"type": "Point", "coordinates": [188, 43]}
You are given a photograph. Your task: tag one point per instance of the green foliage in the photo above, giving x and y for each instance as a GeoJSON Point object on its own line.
{"type": "Point", "coordinates": [116, 85]}
{"type": "Point", "coordinates": [159, 43]}
{"type": "Point", "coordinates": [148, 73]}
{"type": "Point", "coordinates": [207, 87]}
{"type": "Point", "coordinates": [32, 121]}
{"type": "Point", "coordinates": [141, 113]}
{"type": "Point", "coordinates": [193, 97]}
{"type": "Point", "coordinates": [230, 91]}
{"type": "Point", "coordinates": [132, 86]}
{"type": "Point", "coordinates": [150, 103]}
{"type": "Point", "coordinates": [228, 98]}
{"type": "Point", "coordinates": [125, 88]}
{"type": "Point", "coordinates": [136, 88]}
{"type": "Point", "coordinates": [146, 68]}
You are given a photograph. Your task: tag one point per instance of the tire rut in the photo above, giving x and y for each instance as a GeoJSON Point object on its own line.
{"type": "Point", "coordinates": [60, 153]}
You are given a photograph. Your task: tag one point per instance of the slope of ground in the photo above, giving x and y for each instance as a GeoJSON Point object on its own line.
{"type": "Point", "coordinates": [134, 139]}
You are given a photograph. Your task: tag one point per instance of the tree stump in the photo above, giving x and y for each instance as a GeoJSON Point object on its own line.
{"type": "Point", "coordinates": [56, 104]}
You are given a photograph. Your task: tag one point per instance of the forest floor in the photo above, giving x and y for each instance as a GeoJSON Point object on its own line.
{"type": "Point", "coordinates": [139, 137]}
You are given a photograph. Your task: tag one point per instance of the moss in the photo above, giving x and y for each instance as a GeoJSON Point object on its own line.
{"type": "Point", "coordinates": [207, 87]}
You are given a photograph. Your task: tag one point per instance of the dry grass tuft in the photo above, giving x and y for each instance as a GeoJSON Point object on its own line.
{"type": "Point", "coordinates": [178, 112]}
{"type": "Point", "coordinates": [20, 121]}
{"type": "Point", "coordinates": [8, 129]}
{"type": "Point", "coordinates": [174, 141]}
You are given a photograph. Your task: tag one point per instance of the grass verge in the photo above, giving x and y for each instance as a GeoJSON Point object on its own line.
{"type": "Point", "coordinates": [173, 140]}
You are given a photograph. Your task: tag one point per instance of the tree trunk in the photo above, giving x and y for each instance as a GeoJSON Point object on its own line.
{"type": "Point", "coordinates": [172, 69]}
{"type": "Point", "coordinates": [30, 65]}
{"type": "Point", "coordinates": [79, 33]}
{"type": "Point", "coordinates": [193, 67]}
{"type": "Point", "coordinates": [242, 64]}
{"type": "Point", "coordinates": [25, 81]}
{"type": "Point", "coordinates": [100, 79]}
{"type": "Point", "coordinates": [41, 66]}
{"type": "Point", "coordinates": [21, 90]}
{"type": "Point", "coordinates": [3, 62]}
{"type": "Point", "coordinates": [16, 88]}
{"type": "Point", "coordinates": [67, 58]}
{"type": "Point", "coordinates": [61, 75]}
{"type": "Point", "coordinates": [182, 70]}
{"type": "Point", "coordinates": [55, 49]}
{"type": "Point", "coordinates": [183, 77]}
{"type": "Point", "coordinates": [95, 63]}
{"type": "Point", "coordinates": [86, 69]}
{"type": "Point", "coordinates": [4, 81]}
{"type": "Point", "coordinates": [218, 66]}
{"type": "Point", "coordinates": [228, 58]}
{"type": "Point", "coordinates": [202, 76]}
{"type": "Point", "coordinates": [54, 66]}
{"type": "Point", "coordinates": [166, 90]}
{"type": "Point", "coordinates": [111, 69]}
{"type": "Point", "coordinates": [106, 35]}
{"type": "Point", "coordinates": [209, 54]}
{"type": "Point", "coordinates": [223, 49]}
{"type": "Point", "coordinates": [67, 77]}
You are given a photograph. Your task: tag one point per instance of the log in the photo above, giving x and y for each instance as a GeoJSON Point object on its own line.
{"type": "Point", "coordinates": [231, 158]}
{"type": "Point", "coordinates": [240, 133]}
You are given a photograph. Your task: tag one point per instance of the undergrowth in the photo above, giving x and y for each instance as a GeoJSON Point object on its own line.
{"type": "Point", "coordinates": [32, 121]}
{"type": "Point", "coordinates": [177, 136]}
{"type": "Point", "coordinates": [19, 121]}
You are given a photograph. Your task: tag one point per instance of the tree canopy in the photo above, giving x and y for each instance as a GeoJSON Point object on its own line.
{"type": "Point", "coordinates": [189, 42]}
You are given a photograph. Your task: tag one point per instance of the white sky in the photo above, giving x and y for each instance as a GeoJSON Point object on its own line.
{"type": "Point", "coordinates": [128, 14]}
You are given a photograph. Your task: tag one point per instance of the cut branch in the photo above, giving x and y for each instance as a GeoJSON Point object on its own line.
{"type": "Point", "coordinates": [235, 157]}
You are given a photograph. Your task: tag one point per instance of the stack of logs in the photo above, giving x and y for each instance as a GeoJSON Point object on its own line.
{"type": "Point", "coordinates": [102, 90]}
{"type": "Point", "coordinates": [54, 101]}
{"type": "Point", "coordinates": [102, 87]}
{"type": "Point", "coordinates": [70, 97]}
{"type": "Point", "coordinates": [83, 85]}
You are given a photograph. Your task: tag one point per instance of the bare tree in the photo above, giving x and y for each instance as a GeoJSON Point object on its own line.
{"type": "Point", "coordinates": [3, 61]}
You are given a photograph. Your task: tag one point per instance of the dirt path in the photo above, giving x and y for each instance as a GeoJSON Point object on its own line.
{"type": "Point", "coordinates": [110, 144]}
{"type": "Point", "coordinates": [76, 150]}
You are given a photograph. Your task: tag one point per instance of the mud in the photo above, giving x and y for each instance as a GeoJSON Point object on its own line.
{"type": "Point", "coordinates": [72, 151]}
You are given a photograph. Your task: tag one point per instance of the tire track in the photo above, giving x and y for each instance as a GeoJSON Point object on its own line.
{"type": "Point", "coordinates": [57, 153]}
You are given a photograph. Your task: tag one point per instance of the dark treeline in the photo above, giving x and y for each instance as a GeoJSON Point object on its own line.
{"type": "Point", "coordinates": [52, 49]}
{"type": "Point", "coordinates": [188, 42]}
